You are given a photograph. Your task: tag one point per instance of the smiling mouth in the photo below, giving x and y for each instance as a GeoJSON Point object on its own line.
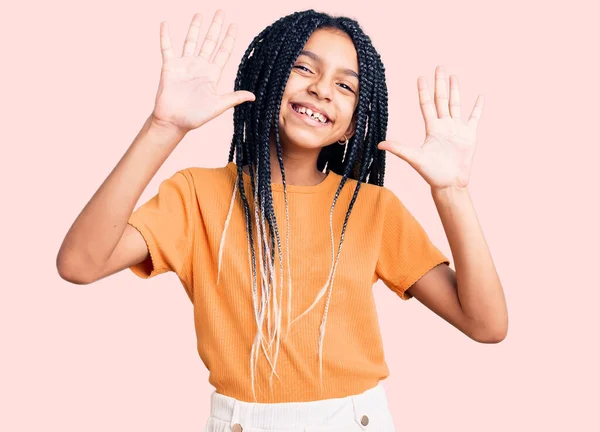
{"type": "Point", "coordinates": [316, 120]}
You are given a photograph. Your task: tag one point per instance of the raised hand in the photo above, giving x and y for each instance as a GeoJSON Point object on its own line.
{"type": "Point", "coordinates": [187, 94]}
{"type": "Point", "coordinates": [445, 158]}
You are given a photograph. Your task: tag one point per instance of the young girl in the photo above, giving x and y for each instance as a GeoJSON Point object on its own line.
{"type": "Point", "coordinates": [287, 325]}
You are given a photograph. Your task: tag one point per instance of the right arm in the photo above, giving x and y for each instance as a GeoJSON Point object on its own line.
{"type": "Point", "coordinates": [100, 242]}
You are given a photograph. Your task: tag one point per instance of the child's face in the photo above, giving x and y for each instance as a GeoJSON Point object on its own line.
{"type": "Point", "coordinates": [324, 75]}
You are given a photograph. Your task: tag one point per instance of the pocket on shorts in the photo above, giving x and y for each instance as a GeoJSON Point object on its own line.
{"type": "Point", "coordinates": [214, 424]}
{"type": "Point", "coordinates": [385, 426]}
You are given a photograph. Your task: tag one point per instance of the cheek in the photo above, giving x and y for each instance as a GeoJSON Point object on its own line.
{"type": "Point", "coordinates": [292, 88]}
{"type": "Point", "coordinates": [345, 114]}
{"type": "Point", "coordinates": [294, 85]}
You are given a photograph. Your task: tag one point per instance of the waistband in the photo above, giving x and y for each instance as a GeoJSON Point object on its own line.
{"type": "Point", "coordinates": [369, 410]}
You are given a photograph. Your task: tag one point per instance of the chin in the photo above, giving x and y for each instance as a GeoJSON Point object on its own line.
{"type": "Point", "coordinates": [301, 138]}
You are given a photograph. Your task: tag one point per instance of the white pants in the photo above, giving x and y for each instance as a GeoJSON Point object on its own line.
{"type": "Point", "coordinates": [365, 412]}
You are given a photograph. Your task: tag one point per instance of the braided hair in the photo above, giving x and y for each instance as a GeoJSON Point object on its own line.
{"type": "Point", "coordinates": [264, 70]}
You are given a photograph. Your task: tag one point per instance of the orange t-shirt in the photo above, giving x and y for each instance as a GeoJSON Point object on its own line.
{"type": "Point", "coordinates": [183, 226]}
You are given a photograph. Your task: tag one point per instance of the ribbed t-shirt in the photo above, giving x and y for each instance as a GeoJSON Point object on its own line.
{"type": "Point", "coordinates": [183, 225]}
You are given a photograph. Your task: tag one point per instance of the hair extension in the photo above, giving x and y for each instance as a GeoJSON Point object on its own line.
{"type": "Point", "coordinates": [264, 70]}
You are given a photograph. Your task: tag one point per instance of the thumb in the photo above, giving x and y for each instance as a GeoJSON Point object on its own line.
{"type": "Point", "coordinates": [409, 154]}
{"type": "Point", "coordinates": [235, 98]}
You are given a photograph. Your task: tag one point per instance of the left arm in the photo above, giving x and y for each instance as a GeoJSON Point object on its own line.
{"type": "Point", "coordinates": [471, 299]}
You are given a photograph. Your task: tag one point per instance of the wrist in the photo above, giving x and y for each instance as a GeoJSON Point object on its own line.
{"type": "Point", "coordinates": [163, 128]}
{"type": "Point", "coordinates": [159, 135]}
{"type": "Point", "coordinates": [449, 191]}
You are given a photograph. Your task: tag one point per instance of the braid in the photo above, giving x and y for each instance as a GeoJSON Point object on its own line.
{"type": "Point", "coordinates": [264, 70]}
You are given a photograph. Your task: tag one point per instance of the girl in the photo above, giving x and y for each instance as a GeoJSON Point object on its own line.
{"type": "Point", "coordinates": [288, 327]}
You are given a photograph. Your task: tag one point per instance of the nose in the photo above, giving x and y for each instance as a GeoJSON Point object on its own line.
{"type": "Point", "coordinates": [320, 88]}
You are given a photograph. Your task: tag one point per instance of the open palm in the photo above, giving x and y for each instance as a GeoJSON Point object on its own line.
{"type": "Point", "coordinates": [445, 157]}
{"type": "Point", "coordinates": [187, 93]}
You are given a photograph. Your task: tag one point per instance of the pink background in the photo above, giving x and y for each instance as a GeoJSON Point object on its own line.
{"type": "Point", "coordinates": [78, 81]}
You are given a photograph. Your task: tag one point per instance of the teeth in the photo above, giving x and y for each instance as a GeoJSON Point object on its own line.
{"type": "Point", "coordinates": [315, 116]}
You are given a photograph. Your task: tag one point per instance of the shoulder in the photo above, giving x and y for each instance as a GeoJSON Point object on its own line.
{"type": "Point", "coordinates": [217, 178]}
{"type": "Point", "coordinates": [378, 196]}
{"type": "Point", "coordinates": [384, 202]}
{"type": "Point", "coordinates": [207, 173]}
{"type": "Point", "coordinates": [366, 189]}
{"type": "Point", "coordinates": [372, 200]}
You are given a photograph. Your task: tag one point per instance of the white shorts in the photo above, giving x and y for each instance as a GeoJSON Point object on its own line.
{"type": "Point", "coordinates": [365, 412]}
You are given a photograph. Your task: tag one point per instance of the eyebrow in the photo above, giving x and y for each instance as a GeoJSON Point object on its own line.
{"type": "Point", "coordinates": [316, 58]}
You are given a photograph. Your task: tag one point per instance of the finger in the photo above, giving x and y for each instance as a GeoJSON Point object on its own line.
{"type": "Point", "coordinates": [234, 98]}
{"type": "Point", "coordinates": [408, 154]}
{"type": "Point", "coordinates": [454, 97]}
{"type": "Point", "coordinates": [191, 40]}
{"type": "Point", "coordinates": [219, 38]}
{"type": "Point", "coordinates": [212, 37]}
{"type": "Point", "coordinates": [441, 95]}
{"type": "Point", "coordinates": [476, 113]}
{"type": "Point", "coordinates": [165, 42]}
{"type": "Point", "coordinates": [226, 47]}
{"type": "Point", "coordinates": [426, 102]}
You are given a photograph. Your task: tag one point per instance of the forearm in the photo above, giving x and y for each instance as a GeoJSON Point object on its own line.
{"type": "Point", "coordinates": [479, 288]}
{"type": "Point", "coordinates": [98, 228]}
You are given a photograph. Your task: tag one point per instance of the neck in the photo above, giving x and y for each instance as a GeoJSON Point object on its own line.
{"type": "Point", "coordinates": [300, 166]}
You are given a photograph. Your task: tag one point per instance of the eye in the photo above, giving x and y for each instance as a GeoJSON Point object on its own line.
{"type": "Point", "coordinates": [303, 67]}
{"type": "Point", "coordinates": [346, 87]}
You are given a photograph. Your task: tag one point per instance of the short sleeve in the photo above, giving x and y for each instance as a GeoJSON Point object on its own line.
{"type": "Point", "coordinates": [406, 252]}
{"type": "Point", "coordinates": [165, 223]}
